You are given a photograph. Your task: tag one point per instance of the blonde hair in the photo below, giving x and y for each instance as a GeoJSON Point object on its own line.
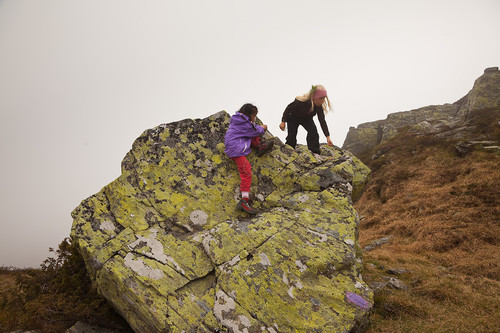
{"type": "Point", "coordinates": [309, 96]}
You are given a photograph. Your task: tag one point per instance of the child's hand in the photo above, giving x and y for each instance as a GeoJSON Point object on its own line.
{"type": "Point", "coordinates": [282, 125]}
{"type": "Point", "coordinates": [265, 127]}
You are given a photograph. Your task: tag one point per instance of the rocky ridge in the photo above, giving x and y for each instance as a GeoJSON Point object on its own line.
{"type": "Point", "coordinates": [448, 121]}
{"type": "Point", "coordinates": [430, 216]}
{"type": "Point", "coordinates": [166, 246]}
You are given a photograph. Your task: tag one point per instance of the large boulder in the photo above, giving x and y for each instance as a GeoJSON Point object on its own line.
{"type": "Point", "coordinates": [167, 247]}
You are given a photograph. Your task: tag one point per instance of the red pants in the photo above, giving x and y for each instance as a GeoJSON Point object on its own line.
{"type": "Point", "coordinates": [245, 168]}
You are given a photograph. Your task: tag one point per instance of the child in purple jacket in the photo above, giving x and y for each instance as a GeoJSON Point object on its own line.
{"type": "Point", "coordinates": [241, 135]}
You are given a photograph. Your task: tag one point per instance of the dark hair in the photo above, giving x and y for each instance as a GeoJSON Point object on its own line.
{"type": "Point", "coordinates": [248, 109]}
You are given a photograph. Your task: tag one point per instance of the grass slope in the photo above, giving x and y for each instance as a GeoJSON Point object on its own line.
{"type": "Point", "coordinates": [443, 213]}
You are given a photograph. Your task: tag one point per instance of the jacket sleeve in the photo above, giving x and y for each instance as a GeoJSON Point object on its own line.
{"type": "Point", "coordinates": [290, 109]}
{"type": "Point", "coordinates": [322, 122]}
{"type": "Point", "coordinates": [249, 129]}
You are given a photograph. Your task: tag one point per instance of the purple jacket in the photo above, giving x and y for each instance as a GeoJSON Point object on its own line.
{"type": "Point", "coordinates": [239, 135]}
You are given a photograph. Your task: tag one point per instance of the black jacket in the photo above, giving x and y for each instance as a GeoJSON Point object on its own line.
{"type": "Point", "coordinates": [302, 110]}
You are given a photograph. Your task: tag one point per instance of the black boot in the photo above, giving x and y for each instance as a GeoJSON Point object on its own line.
{"type": "Point", "coordinates": [265, 148]}
{"type": "Point", "coordinates": [245, 206]}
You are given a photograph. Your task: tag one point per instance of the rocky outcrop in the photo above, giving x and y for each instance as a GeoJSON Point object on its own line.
{"type": "Point", "coordinates": [445, 121]}
{"type": "Point", "coordinates": [166, 246]}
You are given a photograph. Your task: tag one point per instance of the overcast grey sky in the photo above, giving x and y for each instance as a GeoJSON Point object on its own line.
{"type": "Point", "coordinates": [81, 80]}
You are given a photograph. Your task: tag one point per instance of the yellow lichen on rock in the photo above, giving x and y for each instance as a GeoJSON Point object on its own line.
{"type": "Point", "coordinates": [168, 248]}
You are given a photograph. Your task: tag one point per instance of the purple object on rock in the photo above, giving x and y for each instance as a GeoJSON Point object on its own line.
{"type": "Point", "coordinates": [357, 300]}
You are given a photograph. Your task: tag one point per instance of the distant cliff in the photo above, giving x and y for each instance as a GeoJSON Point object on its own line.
{"type": "Point", "coordinates": [445, 121]}
{"type": "Point", "coordinates": [167, 247]}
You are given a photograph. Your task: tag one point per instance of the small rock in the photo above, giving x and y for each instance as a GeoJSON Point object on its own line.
{"type": "Point", "coordinates": [444, 268]}
{"type": "Point", "coordinates": [491, 70]}
{"type": "Point", "coordinates": [377, 243]}
{"type": "Point", "coordinates": [377, 285]}
{"type": "Point", "coordinates": [397, 284]}
{"type": "Point", "coordinates": [81, 327]}
{"type": "Point", "coordinates": [463, 148]}
{"type": "Point", "coordinates": [494, 149]}
{"type": "Point", "coordinates": [397, 271]}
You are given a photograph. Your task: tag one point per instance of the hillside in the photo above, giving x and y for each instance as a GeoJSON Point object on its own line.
{"type": "Point", "coordinates": [438, 211]}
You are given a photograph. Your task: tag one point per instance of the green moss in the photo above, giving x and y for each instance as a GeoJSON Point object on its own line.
{"type": "Point", "coordinates": [290, 297]}
{"type": "Point", "coordinates": [310, 182]}
{"type": "Point", "coordinates": [191, 306]}
{"type": "Point", "coordinates": [217, 159]}
{"type": "Point", "coordinates": [165, 134]}
{"type": "Point", "coordinates": [230, 239]}
{"type": "Point", "coordinates": [168, 246]}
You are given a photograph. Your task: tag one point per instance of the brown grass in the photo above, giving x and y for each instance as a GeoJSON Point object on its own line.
{"type": "Point", "coordinates": [444, 215]}
{"type": "Point", "coordinates": [54, 297]}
